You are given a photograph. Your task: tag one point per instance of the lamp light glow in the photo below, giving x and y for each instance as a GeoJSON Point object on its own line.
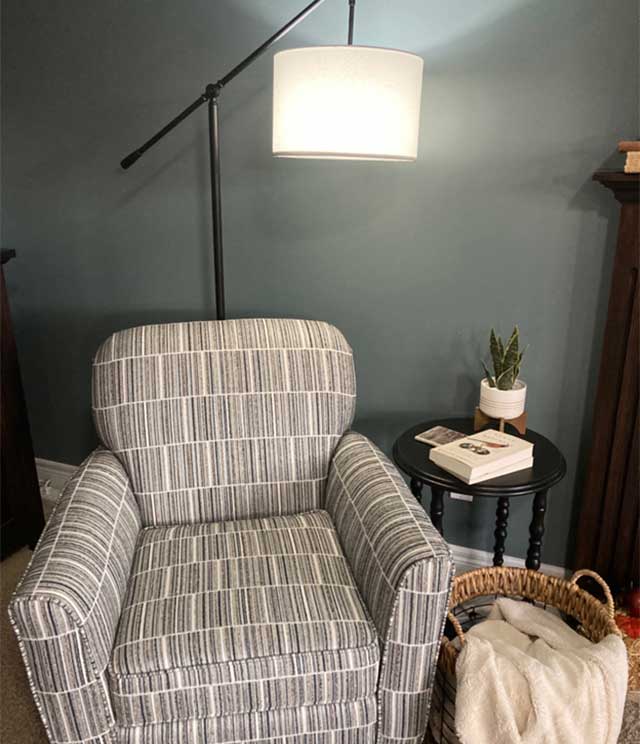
{"type": "Point", "coordinates": [346, 102]}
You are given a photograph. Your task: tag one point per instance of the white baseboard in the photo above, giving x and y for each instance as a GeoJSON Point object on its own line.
{"type": "Point", "coordinates": [466, 559]}
{"type": "Point", "coordinates": [57, 474]}
{"type": "Point", "coordinates": [53, 477]}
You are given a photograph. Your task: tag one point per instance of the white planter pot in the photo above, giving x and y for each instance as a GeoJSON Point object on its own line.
{"type": "Point", "coordinates": [506, 404]}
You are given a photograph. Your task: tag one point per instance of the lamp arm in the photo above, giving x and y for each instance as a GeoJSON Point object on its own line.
{"type": "Point", "coordinates": [269, 42]}
{"type": "Point", "coordinates": [213, 89]}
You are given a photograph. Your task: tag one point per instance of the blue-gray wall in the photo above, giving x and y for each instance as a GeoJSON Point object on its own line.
{"type": "Point", "coordinates": [498, 222]}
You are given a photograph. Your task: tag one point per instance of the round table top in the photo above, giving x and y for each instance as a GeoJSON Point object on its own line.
{"type": "Point", "coordinates": [411, 456]}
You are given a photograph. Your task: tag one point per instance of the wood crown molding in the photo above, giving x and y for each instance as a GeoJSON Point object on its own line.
{"type": "Point", "coordinates": [625, 186]}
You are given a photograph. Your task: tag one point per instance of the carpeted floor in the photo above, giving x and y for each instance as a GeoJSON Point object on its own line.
{"type": "Point", "coordinates": [19, 720]}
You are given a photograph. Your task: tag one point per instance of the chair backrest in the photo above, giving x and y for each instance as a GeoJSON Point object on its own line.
{"type": "Point", "coordinates": [224, 420]}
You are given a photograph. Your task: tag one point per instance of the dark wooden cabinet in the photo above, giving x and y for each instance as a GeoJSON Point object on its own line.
{"type": "Point", "coordinates": [607, 539]}
{"type": "Point", "coordinates": [21, 516]}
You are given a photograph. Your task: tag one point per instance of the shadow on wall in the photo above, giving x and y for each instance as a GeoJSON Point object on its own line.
{"type": "Point", "coordinates": [64, 400]}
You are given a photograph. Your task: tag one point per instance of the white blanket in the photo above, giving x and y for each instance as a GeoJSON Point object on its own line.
{"type": "Point", "coordinates": [524, 677]}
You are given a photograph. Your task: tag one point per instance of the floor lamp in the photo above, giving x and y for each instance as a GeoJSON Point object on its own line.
{"type": "Point", "coordinates": [340, 102]}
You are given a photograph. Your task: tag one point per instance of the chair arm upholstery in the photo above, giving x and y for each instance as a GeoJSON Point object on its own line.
{"type": "Point", "coordinates": [403, 569]}
{"type": "Point", "coordinates": [66, 608]}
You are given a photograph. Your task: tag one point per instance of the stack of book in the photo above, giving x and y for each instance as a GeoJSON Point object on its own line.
{"type": "Point", "coordinates": [482, 456]}
{"type": "Point", "coordinates": [632, 148]}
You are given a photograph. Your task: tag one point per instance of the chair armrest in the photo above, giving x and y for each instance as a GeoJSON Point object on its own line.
{"type": "Point", "coordinates": [66, 608]}
{"type": "Point", "coordinates": [403, 569]}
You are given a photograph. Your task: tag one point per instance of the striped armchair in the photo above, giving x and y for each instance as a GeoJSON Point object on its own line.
{"type": "Point", "coordinates": [232, 564]}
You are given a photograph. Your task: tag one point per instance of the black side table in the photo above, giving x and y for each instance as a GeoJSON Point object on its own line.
{"type": "Point", "coordinates": [549, 467]}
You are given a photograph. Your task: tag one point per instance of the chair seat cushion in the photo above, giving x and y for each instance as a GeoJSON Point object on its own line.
{"type": "Point", "coordinates": [237, 617]}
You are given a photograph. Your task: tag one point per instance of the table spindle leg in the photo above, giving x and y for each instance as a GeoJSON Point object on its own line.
{"type": "Point", "coordinates": [416, 489]}
{"type": "Point", "coordinates": [536, 530]}
{"type": "Point", "coordinates": [437, 507]}
{"type": "Point", "coordinates": [500, 533]}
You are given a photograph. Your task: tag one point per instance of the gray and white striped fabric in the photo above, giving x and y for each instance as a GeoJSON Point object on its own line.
{"type": "Point", "coordinates": [339, 723]}
{"type": "Point", "coordinates": [240, 617]}
{"type": "Point", "coordinates": [223, 421]}
{"type": "Point", "coordinates": [235, 568]}
{"type": "Point", "coordinates": [66, 609]}
{"type": "Point", "coordinates": [403, 569]}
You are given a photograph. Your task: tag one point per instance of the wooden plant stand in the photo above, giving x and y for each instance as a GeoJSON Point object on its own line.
{"type": "Point", "coordinates": [481, 421]}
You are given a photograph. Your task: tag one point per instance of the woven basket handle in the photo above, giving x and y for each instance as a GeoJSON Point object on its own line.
{"type": "Point", "coordinates": [603, 584]}
{"type": "Point", "coordinates": [456, 626]}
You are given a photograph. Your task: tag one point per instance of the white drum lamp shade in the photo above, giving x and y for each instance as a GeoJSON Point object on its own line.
{"type": "Point", "coordinates": [348, 102]}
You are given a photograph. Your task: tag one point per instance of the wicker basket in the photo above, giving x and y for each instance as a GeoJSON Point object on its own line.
{"type": "Point", "coordinates": [472, 596]}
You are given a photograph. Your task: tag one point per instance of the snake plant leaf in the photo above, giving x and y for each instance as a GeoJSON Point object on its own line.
{"type": "Point", "coordinates": [506, 360]}
{"type": "Point", "coordinates": [506, 379]}
{"type": "Point", "coordinates": [517, 368]}
{"type": "Point", "coordinates": [490, 379]}
{"type": "Point", "coordinates": [512, 351]}
{"type": "Point", "coordinates": [495, 347]}
{"type": "Point", "coordinates": [514, 339]}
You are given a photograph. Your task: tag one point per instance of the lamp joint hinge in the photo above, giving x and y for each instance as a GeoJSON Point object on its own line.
{"type": "Point", "coordinates": [212, 91]}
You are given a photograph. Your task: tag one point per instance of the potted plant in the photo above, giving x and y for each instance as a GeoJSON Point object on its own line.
{"type": "Point", "coordinates": [503, 394]}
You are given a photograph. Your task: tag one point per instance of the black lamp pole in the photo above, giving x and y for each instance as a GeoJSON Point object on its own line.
{"type": "Point", "coordinates": [210, 96]}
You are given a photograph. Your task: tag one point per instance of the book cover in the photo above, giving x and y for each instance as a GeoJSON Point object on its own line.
{"type": "Point", "coordinates": [480, 454]}
{"type": "Point", "coordinates": [439, 435]}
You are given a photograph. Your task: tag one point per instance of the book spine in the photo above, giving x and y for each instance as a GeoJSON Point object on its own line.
{"type": "Point", "coordinates": [515, 468]}
{"type": "Point", "coordinates": [632, 164]}
{"type": "Point", "coordinates": [459, 469]}
{"type": "Point", "coordinates": [464, 471]}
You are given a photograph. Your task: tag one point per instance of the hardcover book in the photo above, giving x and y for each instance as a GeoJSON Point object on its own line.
{"type": "Point", "coordinates": [438, 435]}
{"type": "Point", "coordinates": [482, 456]}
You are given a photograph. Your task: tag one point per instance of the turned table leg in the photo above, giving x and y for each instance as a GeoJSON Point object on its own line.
{"type": "Point", "coordinates": [536, 530]}
{"type": "Point", "coordinates": [416, 489]}
{"type": "Point", "coordinates": [437, 507]}
{"type": "Point", "coordinates": [500, 533]}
